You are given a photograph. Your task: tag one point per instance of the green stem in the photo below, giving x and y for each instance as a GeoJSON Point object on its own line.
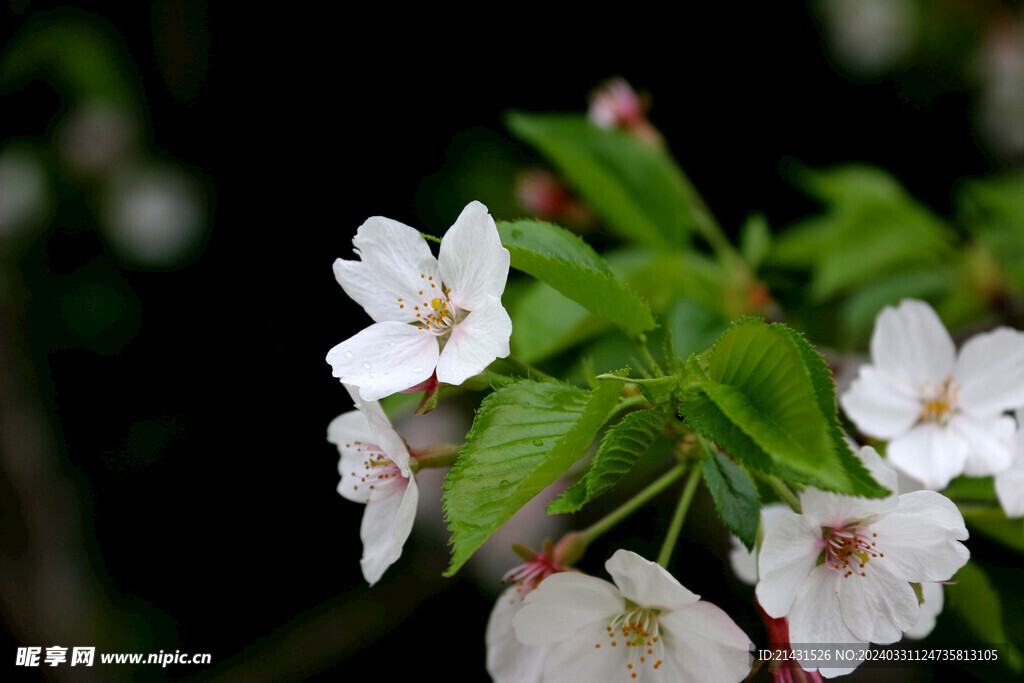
{"type": "Point", "coordinates": [626, 509]}
{"type": "Point", "coordinates": [438, 455]}
{"type": "Point", "coordinates": [679, 517]}
{"type": "Point", "coordinates": [785, 493]}
{"type": "Point", "coordinates": [648, 358]}
{"type": "Point", "coordinates": [625, 405]}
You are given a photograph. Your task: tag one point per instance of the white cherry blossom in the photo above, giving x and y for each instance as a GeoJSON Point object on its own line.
{"type": "Point", "coordinates": [374, 468]}
{"type": "Point", "coordinates": [645, 627]}
{"type": "Point", "coordinates": [942, 412]}
{"type": "Point", "coordinates": [509, 660]}
{"type": "Point", "coordinates": [440, 315]}
{"type": "Point", "coordinates": [841, 572]}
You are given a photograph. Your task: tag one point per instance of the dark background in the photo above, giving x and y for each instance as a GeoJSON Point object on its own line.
{"type": "Point", "coordinates": [194, 457]}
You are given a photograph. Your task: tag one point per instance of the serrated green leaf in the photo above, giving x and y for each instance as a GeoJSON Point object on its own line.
{"type": "Point", "coordinates": [660, 390]}
{"type": "Point", "coordinates": [735, 496]}
{"type": "Point", "coordinates": [976, 601]}
{"type": "Point", "coordinates": [540, 238]}
{"type": "Point", "coordinates": [639, 191]}
{"type": "Point", "coordinates": [825, 392]}
{"type": "Point", "coordinates": [524, 436]}
{"type": "Point", "coordinates": [621, 447]}
{"type": "Point", "coordinates": [772, 406]}
{"type": "Point", "coordinates": [559, 258]}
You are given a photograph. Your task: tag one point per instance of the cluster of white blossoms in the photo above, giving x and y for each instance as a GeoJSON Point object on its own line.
{"type": "Point", "coordinates": [434, 317]}
{"type": "Point", "coordinates": [943, 414]}
{"type": "Point", "coordinates": [846, 569]}
{"type": "Point", "coordinates": [644, 627]}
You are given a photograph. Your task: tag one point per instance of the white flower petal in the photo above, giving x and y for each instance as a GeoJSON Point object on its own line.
{"type": "Point", "coordinates": [396, 261]}
{"type": "Point", "coordinates": [384, 359]}
{"type": "Point", "coordinates": [380, 433]}
{"type": "Point", "coordinates": [921, 538]}
{"type": "Point", "coordinates": [991, 443]}
{"type": "Point", "coordinates": [789, 551]}
{"type": "Point", "coordinates": [473, 263]}
{"type": "Point", "coordinates": [931, 607]}
{"type": "Point", "coordinates": [1010, 485]}
{"type": "Point", "coordinates": [576, 659]}
{"type": "Point", "coordinates": [878, 606]}
{"type": "Point", "coordinates": [508, 660]}
{"type": "Point", "coordinates": [990, 372]}
{"type": "Point", "coordinates": [564, 603]}
{"type": "Point", "coordinates": [705, 643]}
{"type": "Point", "coordinates": [475, 342]}
{"type": "Point", "coordinates": [930, 453]}
{"type": "Point", "coordinates": [386, 526]}
{"type": "Point", "coordinates": [816, 616]}
{"type": "Point", "coordinates": [817, 619]}
{"type": "Point", "coordinates": [911, 346]}
{"type": "Point", "coordinates": [878, 407]}
{"type": "Point", "coordinates": [647, 583]}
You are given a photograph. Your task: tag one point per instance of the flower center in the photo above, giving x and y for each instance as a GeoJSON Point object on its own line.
{"type": "Point", "coordinates": [434, 311]}
{"type": "Point", "coordinates": [939, 401]}
{"type": "Point", "coordinates": [380, 474]}
{"type": "Point", "coordinates": [529, 574]}
{"type": "Point", "coordinates": [639, 633]}
{"type": "Point", "coordinates": [848, 549]}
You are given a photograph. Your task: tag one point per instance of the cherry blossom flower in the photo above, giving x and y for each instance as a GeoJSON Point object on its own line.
{"type": "Point", "coordinates": [508, 660]}
{"type": "Point", "coordinates": [375, 470]}
{"type": "Point", "coordinates": [941, 412]}
{"type": "Point", "coordinates": [841, 572]}
{"type": "Point", "coordinates": [644, 627]}
{"type": "Point", "coordinates": [1010, 483]}
{"type": "Point", "coordinates": [442, 314]}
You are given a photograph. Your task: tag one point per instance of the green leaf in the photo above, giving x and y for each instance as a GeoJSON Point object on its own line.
{"type": "Point", "coordinates": [524, 435]}
{"type": "Point", "coordinates": [768, 399]}
{"type": "Point", "coordinates": [735, 496]}
{"type": "Point", "coordinates": [977, 603]}
{"type": "Point", "coordinates": [80, 57]}
{"type": "Point", "coordinates": [567, 264]}
{"type": "Point", "coordinates": [871, 227]}
{"type": "Point", "coordinates": [621, 447]}
{"type": "Point", "coordinates": [825, 392]}
{"type": "Point", "coordinates": [755, 239]}
{"type": "Point", "coordinates": [639, 191]}
{"type": "Point", "coordinates": [991, 209]}
{"type": "Point", "coordinates": [971, 488]}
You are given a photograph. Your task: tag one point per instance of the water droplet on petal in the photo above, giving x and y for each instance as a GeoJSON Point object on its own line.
{"type": "Point", "coordinates": [417, 369]}
{"type": "Point", "coordinates": [332, 352]}
{"type": "Point", "coordinates": [366, 366]}
{"type": "Point", "coordinates": [348, 354]}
